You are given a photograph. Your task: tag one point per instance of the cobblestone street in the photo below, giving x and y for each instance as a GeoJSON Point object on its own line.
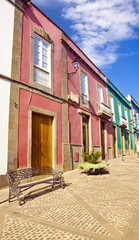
{"type": "Point", "coordinates": [99, 207]}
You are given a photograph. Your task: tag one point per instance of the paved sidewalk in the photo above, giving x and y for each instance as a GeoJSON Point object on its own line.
{"type": "Point", "coordinates": [103, 207]}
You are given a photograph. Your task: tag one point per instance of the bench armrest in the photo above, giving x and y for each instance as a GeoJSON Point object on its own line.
{"type": "Point", "coordinates": [57, 174]}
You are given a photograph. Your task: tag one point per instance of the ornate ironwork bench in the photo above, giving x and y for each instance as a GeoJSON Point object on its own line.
{"type": "Point", "coordinates": [15, 179]}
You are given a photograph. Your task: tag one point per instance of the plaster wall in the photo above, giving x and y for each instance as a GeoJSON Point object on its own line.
{"type": "Point", "coordinates": [33, 17]}
{"type": "Point", "coordinates": [124, 104]}
{"type": "Point", "coordinates": [75, 126]}
{"type": "Point", "coordinates": [4, 121]}
{"type": "Point", "coordinates": [28, 99]}
{"type": "Point", "coordinates": [6, 39]}
{"type": "Point", "coordinates": [74, 86]}
{"type": "Point", "coordinates": [74, 83]}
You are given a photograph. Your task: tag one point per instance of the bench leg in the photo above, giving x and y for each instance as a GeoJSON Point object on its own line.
{"type": "Point", "coordinates": [17, 195]}
{"type": "Point", "coordinates": [62, 183]}
{"type": "Point", "coordinates": [59, 181]}
{"type": "Point", "coordinates": [14, 191]}
{"type": "Point", "coordinates": [9, 198]}
{"type": "Point", "coordinates": [19, 201]}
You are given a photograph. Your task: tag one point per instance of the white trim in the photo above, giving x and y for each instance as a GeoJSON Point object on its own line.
{"type": "Point", "coordinates": [126, 116]}
{"type": "Point", "coordinates": [84, 88]}
{"type": "Point", "coordinates": [39, 69]}
{"type": "Point", "coordinates": [100, 93]}
{"type": "Point", "coordinates": [119, 109]}
{"type": "Point", "coordinates": [112, 107]}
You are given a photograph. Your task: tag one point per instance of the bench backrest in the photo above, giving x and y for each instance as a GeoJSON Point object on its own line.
{"type": "Point", "coordinates": [15, 177]}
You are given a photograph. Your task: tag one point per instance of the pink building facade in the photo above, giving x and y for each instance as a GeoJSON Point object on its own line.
{"type": "Point", "coordinates": [89, 111]}
{"type": "Point", "coordinates": [61, 115]}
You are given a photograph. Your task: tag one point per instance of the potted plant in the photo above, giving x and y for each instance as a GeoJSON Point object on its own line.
{"type": "Point", "coordinates": [92, 165]}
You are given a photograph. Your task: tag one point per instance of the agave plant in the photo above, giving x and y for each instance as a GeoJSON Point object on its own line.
{"type": "Point", "coordinates": [92, 157]}
{"type": "Point", "coordinates": [91, 164]}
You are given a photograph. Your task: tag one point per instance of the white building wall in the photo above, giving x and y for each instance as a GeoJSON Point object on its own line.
{"type": "Point", "coordinates": [6, 46]}
{"type": "Point", "coordinates": [4, 122]}
{"type": "Point", "coordinates": [6, 36]}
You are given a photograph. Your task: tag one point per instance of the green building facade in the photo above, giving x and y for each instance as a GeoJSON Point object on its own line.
{"type": "Point", "coordinates": [121, 129]}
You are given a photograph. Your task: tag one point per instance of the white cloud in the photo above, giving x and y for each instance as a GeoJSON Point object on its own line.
{"type": "Point", "coordinates": [100, 25]}
{"type": "Point", "coordinates": [74, 1]}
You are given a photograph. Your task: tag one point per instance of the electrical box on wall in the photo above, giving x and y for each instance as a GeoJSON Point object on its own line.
{"type": "Point", "coordinates": [76, 157]}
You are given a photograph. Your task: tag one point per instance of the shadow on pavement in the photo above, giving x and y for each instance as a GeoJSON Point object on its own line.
{"type": "Point", "coordinates": [40, 192]}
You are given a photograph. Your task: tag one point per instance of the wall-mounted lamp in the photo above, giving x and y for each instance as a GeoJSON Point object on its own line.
{"type": "Point", "coordinates": [27, 2]}
{"type": "Point", "coordinates": [76, 66]}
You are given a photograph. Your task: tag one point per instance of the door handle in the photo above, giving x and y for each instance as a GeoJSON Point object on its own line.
{"type": "Point", "coordinates": [42, 154]}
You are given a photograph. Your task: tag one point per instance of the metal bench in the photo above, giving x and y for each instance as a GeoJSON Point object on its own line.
{"type": "Point", "coordinates": [15, 179]}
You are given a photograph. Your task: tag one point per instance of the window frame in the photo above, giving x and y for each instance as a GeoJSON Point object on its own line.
{"type": "Point", "coordinates": [112, 110]}
{"type": "Point", "coordinates": [99, 86]}
{"type": "Point", "coordinates": [41, 34]}
{"type": "Point", "coordinates": [86, 87]}
{"type": "Point", "coordinates": [137, 116]}
{"type": "Point", "coordinates": [120, 111]}
{"type": "Point", "coordinates": [46, 72]}
{"type": "Point", "coordinates": [41, 53]}
{"type": "Point", "coordinates": [126, 116]}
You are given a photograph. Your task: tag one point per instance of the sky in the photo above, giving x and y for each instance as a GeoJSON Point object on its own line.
{"type": "Point", "coordinates": [107, 31]}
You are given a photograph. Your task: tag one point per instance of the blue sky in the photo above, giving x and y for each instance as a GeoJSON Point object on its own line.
{"type": "Point", "coordinates": [107, 31]}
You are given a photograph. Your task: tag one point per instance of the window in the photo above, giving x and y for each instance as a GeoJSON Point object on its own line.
{"type": "Point", "coordinates": [133, 113]}
{"type": "Point", "coordinates": [84, 85]}
{"type": "Point", "coordinates": [137, 117]}
{"type": "Point", "coordinates": [112, 107]}
{"type": "Point", "coordinates": [100, 93]}
{"type": "Point", "coordinates": [42, 60]}
{"type": "Point", "coordinates": [120, 111]}
{"type": "Point", "coordinates": [126, 116]}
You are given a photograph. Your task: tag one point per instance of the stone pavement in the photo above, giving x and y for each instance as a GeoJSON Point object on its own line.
{"type": "Point", "coordinates": [103, 207]}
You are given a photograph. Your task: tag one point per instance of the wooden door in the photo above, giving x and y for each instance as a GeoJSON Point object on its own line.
{"type": "Point", "coordinates": [122, 140]}
{"type": "Point", "coordinates": [42, 147]}
{"type": "Point", "coordinates": [85, 133]}
{"type": "Point", "coordinates": [135, 142]}
{"type": "Point", "coordinates": [128, 141]}
{"type": "Point", "coordinates": [114, 141]}
{"type": "Point", "coordinates": [103, 139]}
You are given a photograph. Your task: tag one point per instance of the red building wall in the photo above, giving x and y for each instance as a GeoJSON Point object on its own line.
{"type": "Point", "coordinates": [74, 85]}
{"type": "Point", "coordinates": [30, 99]}
{"type": "Point", "coordinates": [34, 17]}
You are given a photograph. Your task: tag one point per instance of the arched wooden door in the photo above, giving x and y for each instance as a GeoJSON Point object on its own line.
{"type": "Point", "coordinates": [42, 140]}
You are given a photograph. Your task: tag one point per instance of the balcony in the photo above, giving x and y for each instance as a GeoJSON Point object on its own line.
{"type": "Point", "coordinates": [104, 110]}
{"type": "Point", "coordinates": [123, 122]}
